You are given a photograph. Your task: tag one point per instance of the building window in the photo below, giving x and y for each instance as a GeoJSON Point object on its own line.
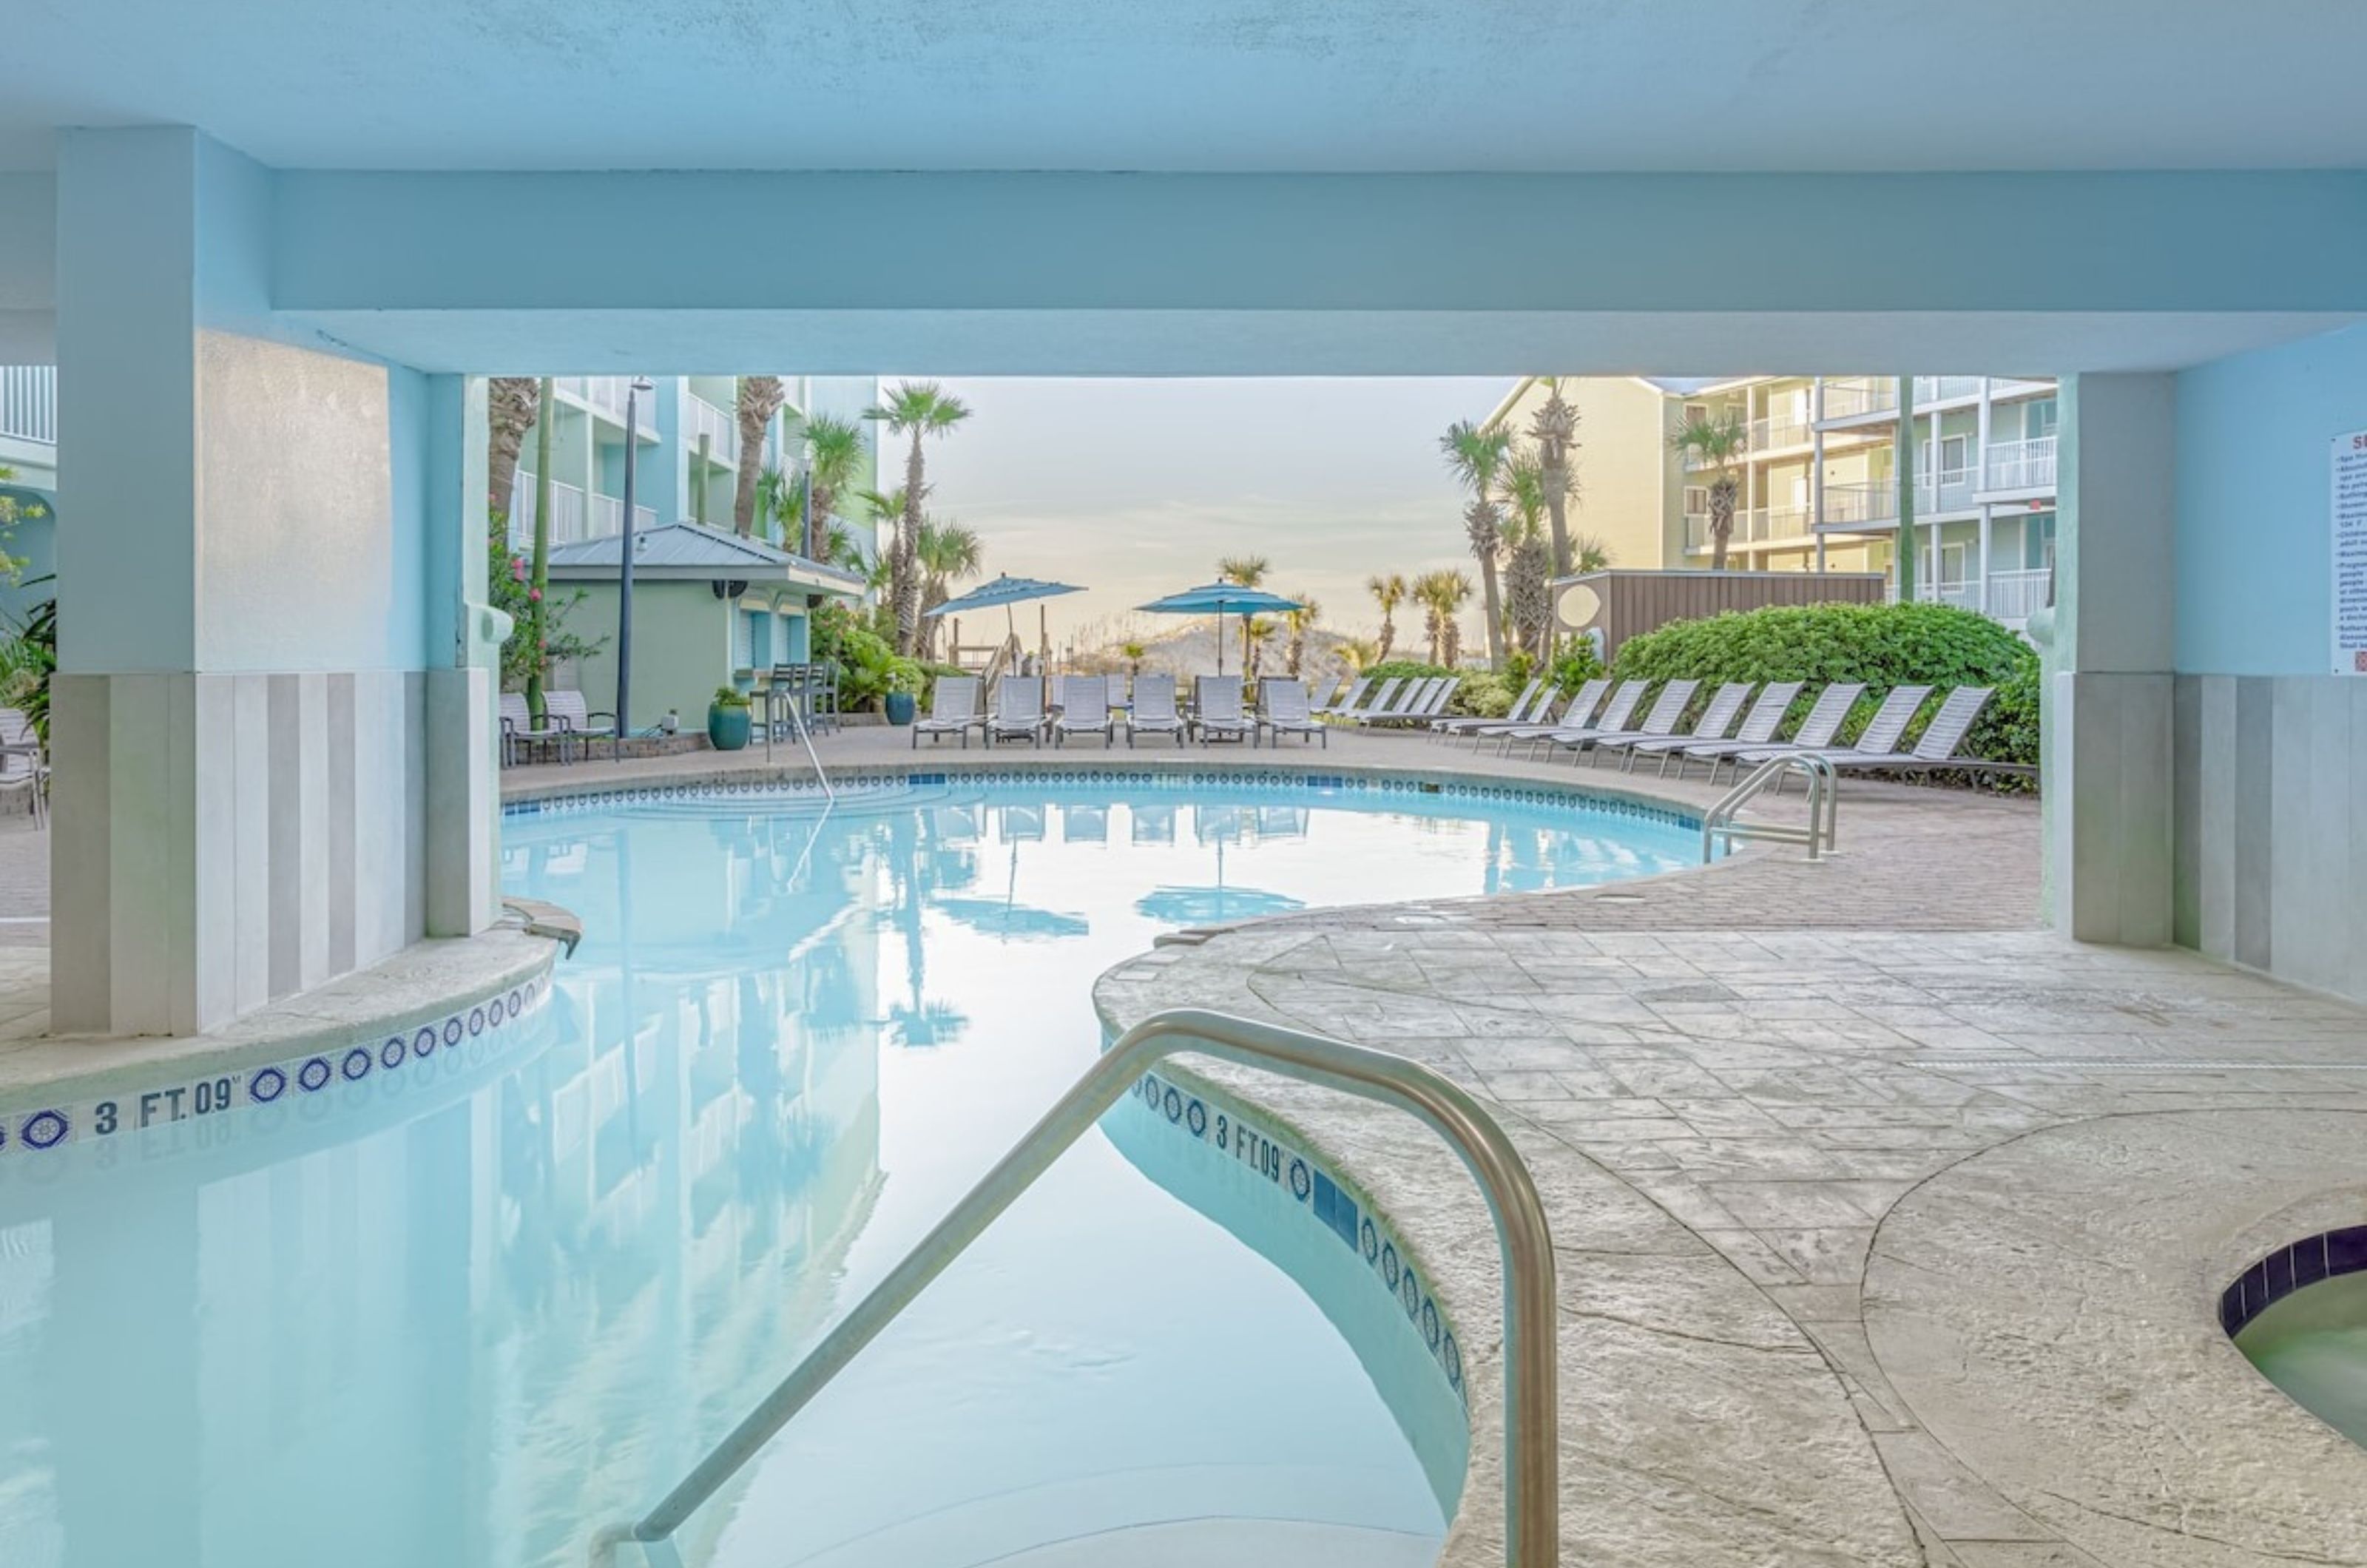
{"type": "Point", "coordinates": [2038, 418]}
{"type": "Point", "coordinates": [1696, 501]}
{"type": "Point", "coordinates": [1696, 413]}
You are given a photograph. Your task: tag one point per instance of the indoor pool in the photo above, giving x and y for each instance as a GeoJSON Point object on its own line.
{"type": "Point", "coordinates": [472, 1319]}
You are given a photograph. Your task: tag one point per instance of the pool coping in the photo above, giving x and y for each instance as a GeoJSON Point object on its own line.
{"type": "Point", "coordinates": [57, 1089]}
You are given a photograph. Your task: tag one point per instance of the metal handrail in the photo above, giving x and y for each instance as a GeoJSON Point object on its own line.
{"type": "Point", "coordinates": [1532, 1411]}
{"type": "Point", "coordinates": [795, 701]}
{"type": "Point", "coordinates": [1721, 821]}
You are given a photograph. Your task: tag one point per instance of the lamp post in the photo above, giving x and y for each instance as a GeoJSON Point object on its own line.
{"type": "Point", "coordinates": [633, 390]}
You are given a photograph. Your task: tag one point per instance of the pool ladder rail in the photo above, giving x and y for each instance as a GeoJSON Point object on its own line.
{"type": "Point", "coordinates": [1722, 824]}
{"type": "Point", "coordinates": [1532, 1402]}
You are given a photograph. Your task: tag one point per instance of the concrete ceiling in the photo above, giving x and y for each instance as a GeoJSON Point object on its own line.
{"type": "Point", "coordinates": [1204, 85]}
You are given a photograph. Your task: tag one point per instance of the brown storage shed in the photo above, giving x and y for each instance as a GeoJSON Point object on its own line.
{"type": "Point", "coordinates": [1629, 604]}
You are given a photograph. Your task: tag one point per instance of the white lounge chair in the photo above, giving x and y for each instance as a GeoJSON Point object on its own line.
{"type": "Point", "coordinates": [1085, 710]}
{"type": "Point", "coordinates": [1715, 723]}
{"type": "Point", "coordinates": [1376, 701]}
{"type": "Point", "coordinates": [1343, 701]}
{"type": "Point", "coordinates": [1935, 748]}
{"type": "Point", "coordinates": [1412, 701]}
{"type": "Point", "coordinates": [1216, 709]}
{"type": "Point", "coordinates": [1667, 712]}
{"type": "Point", "coordinates": [953, 710]}
{"type": "Point", "coordinates": [1018, 710]}
{"type": "Point", "coordinates": [1879, 739]}
{"type": "Point", "coordinates": [1433, 707]}
{"type": "Point", "coordinates": [1543, 715]}
{"type": "Point", "coordinates": [1625, 700]}
{"type": "Point", "coordinates": [1759, 727]}
{"type": "Point", "coordinates": [1154, 709]}
{"type": "Point", "coordinates": [1284, 710]}
{"type": "Point", "coordinates": [1530, 702]}
{"type": "Point", "coordinates": [1823, 721]}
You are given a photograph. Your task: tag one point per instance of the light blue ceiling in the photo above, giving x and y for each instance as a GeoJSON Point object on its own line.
{"type": "Point", "coordinates": [1202, 85]}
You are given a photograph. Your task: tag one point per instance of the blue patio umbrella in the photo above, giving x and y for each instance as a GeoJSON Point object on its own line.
{"type": "Point", "coordinates": [1005, 590]}
{"type": "Point", "coordinates": [1208, 906]}
{"type": "Point", "coordinates": [1220, 599]}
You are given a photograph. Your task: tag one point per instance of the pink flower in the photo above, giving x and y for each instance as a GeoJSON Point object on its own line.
{"type": "Point", "coordinates": [534, 595]}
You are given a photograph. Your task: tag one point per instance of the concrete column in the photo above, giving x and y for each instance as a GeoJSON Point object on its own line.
{"type": "Point", "coordinates": [1816, 467]}
{"type": "Point", "coordinates": [1988, 522]}
{"type": "Point", "coordinates": [2107, 729]}
{"type": "Point", "coordinates": [239, 715]}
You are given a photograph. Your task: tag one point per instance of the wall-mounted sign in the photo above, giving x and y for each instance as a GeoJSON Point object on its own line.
{"type": "Point", "coordinates": [2350, 554]}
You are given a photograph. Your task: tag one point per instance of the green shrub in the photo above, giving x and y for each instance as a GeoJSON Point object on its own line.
{"type": "Point", "coordinates": [729, 697]}
{"type": "Point", "coordinates": [1483, 695]}
{"type": "Point", "coordinates": [1882, 645]}
{"type": "Point", "coordinates": [1402, 670]}
{"type": "Point", "coordinates": [869, 665]}
{"type": "Point", "coordinates": [1574, 666]}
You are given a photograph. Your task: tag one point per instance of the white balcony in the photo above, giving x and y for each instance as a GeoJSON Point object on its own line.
{"type": "Point", "coordinates": [1752, 525]}
{"type": "Point", "coordinates": [608, 515]}
{"type": "Point", "coordinates": [1945, 389]}
{"type": "Point", "coordinates": [2019, 464]}
{"type": "Point", "coordinates": [28, 402]}
{"type": "Point", "coordinates": [2015, 596]}
{"type": "Point", "coordinates": [1952, 493]}
{"type": "Point", "coordinates": [1854, 506]}
{"type": "Point", "coordinates": [1782, 431]}
{"type": "Point", "coordinates": [567, 512]}
{"type": "Point", "coordinates": [699, 418]}
{"type": "Point", "coordinates": [1851, 396]}
{"type": "Point", "coordinates": [607, 393]}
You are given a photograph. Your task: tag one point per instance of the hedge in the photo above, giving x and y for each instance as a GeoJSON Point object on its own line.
{"type": "Point", "coordinates": [1881, 645]}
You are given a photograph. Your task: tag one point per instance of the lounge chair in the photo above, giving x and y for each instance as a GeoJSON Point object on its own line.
{"type": "Point", "coordinates": [1615, 713]}
{"type": "Point", "coordinates": [953, 710]}
{"type": "Point", "coordinates": [578, 726]}
{"type": "Point", "coordinates": [519, 732]}
{"type": "Point", "coordinates": [1343, 701]}
{"type": "Point", "coordinates": [22, 764]}
{"type": "Point", "coordinates": [1525, 707]}
{"type": "Point", "coordinates": [1667, 712]}
{"type": "Point", "coordinates": [1377, 698]}
{"type": "Point", "coordinates": [1154, 708]}
{"type": "Point", "coordinates": [1433, 707]}
{"type": "Point", "coordinates": [1715, 723]}
{"type": "Point", "coordinates": [1879, 739]}
{"type": "Point", "coordinates": [1543, 714]}
{"type": "Point", "coordinates": [1216, 709]}
{"type": "Point", "coordinates": [1085, 710]}
{"type": "Point", "coordinates": [1411, 703]}
{"type": "Point", "coordinates": [1823, 721]}
{"type": "Point", "coordinates": [1284, 710]}
{"type": "Point", "coordinates": [1936, 748]}
{"type": "Point", "coordinates": [1018, 710]}
{"type": "Point", "coordinates": [1759, 727]}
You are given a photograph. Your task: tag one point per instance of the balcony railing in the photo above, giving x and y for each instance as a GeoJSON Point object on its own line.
{"type": "Point", "coordinates": [1847, 397]}
{"type": "Point", "coordinates": [1851, 505]}
{"type": "Point", "coordinates": [1752, 525]}
{"type": "Point", "coordinates": [1945, 389]}
{"type": "Point", "coordinates": [28, 402]}
{"type": "Point", "coordinates": [1954, 492]}
{"type": "Point", "coordinates": [608, 515]}
{"type": "Point", "coordinates": [1784, 430]}
{"type": "Point", "coordinates": [699, 418]}
{"type": "Point", "coordinates": [2018, 595]}
{"type": "Point", "coordinates": [567, 513]}
{"type": "Point", "coordinates": [2021, 464]}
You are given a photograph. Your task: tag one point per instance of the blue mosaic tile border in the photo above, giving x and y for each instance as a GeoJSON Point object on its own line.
{"type": "Point", "coordinates": [1323, 1200]}
{"type": "Point", "coordinates": [464, 1039]}
{"type": "Point", "coordinates": [1184, 781]}
{"type": "Point", "coordinates": [2287, 1269]}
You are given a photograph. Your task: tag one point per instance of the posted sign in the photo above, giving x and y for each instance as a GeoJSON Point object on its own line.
{"type": "Point", "coordinates": [2350, 554]}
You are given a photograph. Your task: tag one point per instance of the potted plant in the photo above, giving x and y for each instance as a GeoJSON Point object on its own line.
{"type": "Point", "coordinates": [727, 719]}
{"type": "Point", "coordinates": [903, 681]}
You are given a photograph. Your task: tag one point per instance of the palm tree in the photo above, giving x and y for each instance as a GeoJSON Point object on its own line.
{"type": "Point", "coordinates": [1257, 633]}
{"type": "Point", "coordinates": [1475, 457]}
{"type": "Point", "coordinates": [1244, 572]}
{"type": "Point", "coordinates": [1592, 554]}
{"type": "Point", "coordinates": [1553, 427]}
{"type": "Point", "coordinates": [834, 452]}
{"type": "Point", "coordinates": [513, 404]}
{"type": "Point", "coordinates": [1711, 446]}
{"type": "Point", "coordinates": [920, 409]}
{"type": "Point", "coordinates": [1358, 653]}
{"type": "Point", "coordinates": [1298, 623]}
{"type": "Point", "coordinates": [879, 567]}
{"type": "Point", "coordinates": [1528, 588]}
{"type": "Point", "coordinates": [780, 500]}
{"type": "Point", "coordinates": [1389, 589]}
{"type": "Point", "coordinates": [1442, 594]}
{"type": "Point", "coordinates": [947, 553]}
{"type": "Point", "coordinates": [759, 398]}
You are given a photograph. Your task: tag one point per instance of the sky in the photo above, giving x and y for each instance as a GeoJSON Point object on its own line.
{"type": "Point", "coordinates": [1133, 489]}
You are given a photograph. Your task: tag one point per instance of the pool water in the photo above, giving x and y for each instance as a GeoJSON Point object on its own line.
{"type": "Point", "coordinates": [473, 1324]}
{"type": "Point", "coordinates": [2313, 1344]}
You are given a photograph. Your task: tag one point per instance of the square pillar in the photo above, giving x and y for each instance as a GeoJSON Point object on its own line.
{"type": "Point", "coordinates": [2107, 738]}
{"type": "Point", "coordinates": [241, 713]}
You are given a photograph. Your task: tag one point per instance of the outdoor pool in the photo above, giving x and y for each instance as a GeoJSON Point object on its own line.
{"type": "Point", "coordinates": [471, 1318]}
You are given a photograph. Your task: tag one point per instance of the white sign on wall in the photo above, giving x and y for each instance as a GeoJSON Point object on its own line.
{"type": "Point", "coordinates": [2350, 554]}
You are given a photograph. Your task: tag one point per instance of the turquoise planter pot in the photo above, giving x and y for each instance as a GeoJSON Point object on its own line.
{"type": "Point", "coordinates": [727, 729]}
{"type": "Point", "coordinates": [901, 708]}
